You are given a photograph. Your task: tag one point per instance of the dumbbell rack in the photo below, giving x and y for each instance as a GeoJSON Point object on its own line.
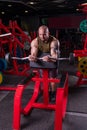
{"type": "Point", "coordinates": [59, 106]}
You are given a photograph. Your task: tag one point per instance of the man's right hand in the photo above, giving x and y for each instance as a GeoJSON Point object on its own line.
{"type": "Point", "coordinates": [32, 58]}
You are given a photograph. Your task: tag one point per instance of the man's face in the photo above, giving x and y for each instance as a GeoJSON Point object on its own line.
{"type": "Point", "coordinates": [43, 34]}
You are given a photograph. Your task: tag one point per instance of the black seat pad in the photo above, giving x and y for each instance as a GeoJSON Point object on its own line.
{"type": "Point", "coordinates": [42, 64]}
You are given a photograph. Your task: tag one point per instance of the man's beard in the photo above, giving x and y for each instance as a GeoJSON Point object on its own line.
{"type": "Point", "coordinates": [44, 40]}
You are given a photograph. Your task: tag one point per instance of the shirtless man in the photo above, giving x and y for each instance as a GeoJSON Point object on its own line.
{"type": "Point", "coordinates": [45, 43]}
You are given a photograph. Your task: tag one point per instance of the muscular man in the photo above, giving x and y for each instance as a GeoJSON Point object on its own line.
{"type": "Point", "coordinates": [45, 43]}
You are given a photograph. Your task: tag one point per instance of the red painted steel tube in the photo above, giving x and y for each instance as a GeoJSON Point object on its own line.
{"type": "Point", "coordinates": [17, 104]}
{"type": "Point", "coordinates": [34, 97]}
{"type": "Point", "coordinates": [59, 107]}
{"type": "Point", "coordinates": [61, 103]}
{"type": "Point", "coordinates": [17, 107]}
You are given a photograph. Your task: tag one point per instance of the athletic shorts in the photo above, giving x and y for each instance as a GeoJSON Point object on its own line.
{"type": "Point", "coordinates": [52, 73]}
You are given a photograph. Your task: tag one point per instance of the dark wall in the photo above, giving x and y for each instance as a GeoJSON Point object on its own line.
{"type": "Point", "coordinates": [65, 21]}
{"type": "Point", "coordinates": [30, 23]}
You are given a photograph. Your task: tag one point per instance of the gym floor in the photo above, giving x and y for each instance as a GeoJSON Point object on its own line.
{"type": "Point", "coordinates": [76, 114]}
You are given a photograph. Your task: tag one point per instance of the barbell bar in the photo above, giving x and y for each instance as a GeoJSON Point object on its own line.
{"type": "Point", "coordinates": [6, 34]}
{"type": "Point", "coordinates": [8, 57]}
{"type": "Point", "coordinates": [71, 58]}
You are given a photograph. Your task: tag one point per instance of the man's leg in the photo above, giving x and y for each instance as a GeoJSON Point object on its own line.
{"type": "Point", "coordinates": [53, 74]}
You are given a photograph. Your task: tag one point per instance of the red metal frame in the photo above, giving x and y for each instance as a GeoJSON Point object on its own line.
{"type": "Point", "coordinates": [18, 32]}
{"type": "Point", "coordinates": [81, 79]}
{"type": "Point", "coordinates": [83, 52]}
{"type": "Point", "coordinates": [12, 42]}
{"type": "Point", "coordinates": [59, 106]}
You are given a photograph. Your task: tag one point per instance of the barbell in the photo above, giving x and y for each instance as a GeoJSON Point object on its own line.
{"type": "Point", "coordinates": [71, 58]}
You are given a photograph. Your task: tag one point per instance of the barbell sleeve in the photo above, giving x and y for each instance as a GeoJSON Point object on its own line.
{"type": "Point", "coordinates": [59, 58]}
{"type": "Point", "coordinates": [63, 58]}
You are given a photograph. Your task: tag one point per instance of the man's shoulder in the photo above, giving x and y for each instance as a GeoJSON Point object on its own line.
{"type": "Point", "coordinates": [34, 40]}
{"type": "Point", "coordinates": [53, 38]}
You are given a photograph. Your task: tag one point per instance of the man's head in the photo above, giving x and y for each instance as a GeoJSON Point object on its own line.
{"type": "Point", "coordinates": [43, 33]}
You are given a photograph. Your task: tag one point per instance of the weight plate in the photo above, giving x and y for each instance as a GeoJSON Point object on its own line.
{"type": "Point", "coordinates": [1, 77]}
{"type": "Point", "coordinates": [3, 64]}
{"type": "Point", "coordinates": [82, 66]}
{"type": "Point", "coordinates": [79, 58]}
{"type": "Point", "coordinates": [83, 26]}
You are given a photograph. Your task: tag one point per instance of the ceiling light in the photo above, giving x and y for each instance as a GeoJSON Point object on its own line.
{"type": "Point", "coordinates": [2, 12]}
{"type": "Point", "coordinates": [58, 1]}
{"type": "Point", "coordinates": [9, 5]}
{"type": "Point", "coordinates": [84, 4]}
{"type": "Point", "coordinates": [77, 9]}
{"type": "Point", "coordinates": [26, 11]}
{"type": "Point", "coordinates": [32, 3]}
{"type": "Point", "coordinates": [61, 6]}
